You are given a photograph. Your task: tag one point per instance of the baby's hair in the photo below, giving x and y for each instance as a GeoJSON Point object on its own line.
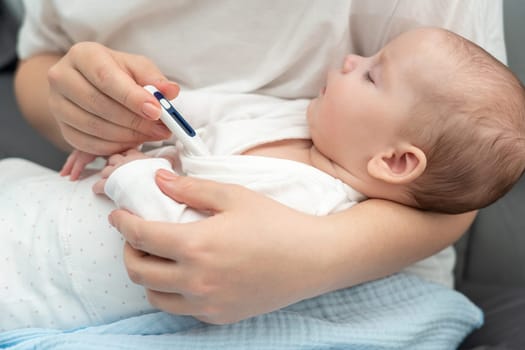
{"type": "Point", "coordinates": [473, 134]}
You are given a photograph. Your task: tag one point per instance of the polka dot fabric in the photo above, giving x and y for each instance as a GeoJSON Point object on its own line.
{"type": "Point", "coordinates": [61, 262]}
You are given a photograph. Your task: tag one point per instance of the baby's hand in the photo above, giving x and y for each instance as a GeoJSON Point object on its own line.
{"type": "Point", "coordinates": [75, 164]}
{"type": "Point", "coordinates": [113, 163]}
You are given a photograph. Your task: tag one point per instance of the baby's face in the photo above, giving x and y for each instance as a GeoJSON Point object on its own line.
{"type": "Point", "coordinates": [366, 102]}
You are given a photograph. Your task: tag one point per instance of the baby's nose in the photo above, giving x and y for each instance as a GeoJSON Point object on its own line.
{"type": "Point", "coordinates": [350, 63]}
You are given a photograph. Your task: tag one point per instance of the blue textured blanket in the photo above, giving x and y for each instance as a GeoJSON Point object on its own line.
{"type": "Point", "coordinates": [398, 312]}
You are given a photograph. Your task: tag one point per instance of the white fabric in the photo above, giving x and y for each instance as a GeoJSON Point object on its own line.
{"type": "Point", "coordinates": [56, 244]}
{"type": "Point", "coordinates": [279, 48]}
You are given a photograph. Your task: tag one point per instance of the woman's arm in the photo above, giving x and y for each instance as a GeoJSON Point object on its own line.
{"type": "Point", "coordinates": [254, 255]}
{"type": "Point", "coordinates": [32, 92]}
{"type": "Point", "coordinates": [382, 237]}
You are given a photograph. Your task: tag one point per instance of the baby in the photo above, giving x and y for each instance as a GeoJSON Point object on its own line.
{"type": "Point", "coordinates": [431, 121]}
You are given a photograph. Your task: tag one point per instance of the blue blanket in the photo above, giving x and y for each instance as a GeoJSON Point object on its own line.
{"type": "Point", "coordinates": [398, 312]}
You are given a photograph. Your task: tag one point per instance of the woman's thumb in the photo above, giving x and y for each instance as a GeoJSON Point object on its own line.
{"type": "Point", "coordinates": [204, 195]}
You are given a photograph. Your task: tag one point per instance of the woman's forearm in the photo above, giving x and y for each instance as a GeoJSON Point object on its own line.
{"type": "Point", "coordinates": [377, 238]}
{"type": "Point", "coordinates": [255, 255]}
{"type": "Point", "coordinates": [32, 92]}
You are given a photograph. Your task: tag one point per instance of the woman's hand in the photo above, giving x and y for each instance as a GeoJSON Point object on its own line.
{"type": "Point", "coordinates": [97, 99]}
{"type": "Point", "coordinates": [228, 267]}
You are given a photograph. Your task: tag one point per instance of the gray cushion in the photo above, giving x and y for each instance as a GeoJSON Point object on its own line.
{"type": "Point", "coordinates": [495, 252]}
{"type": "Point", "coordinates": [514, 15]}
{"type": "Point", "coordinates": [8, 30]}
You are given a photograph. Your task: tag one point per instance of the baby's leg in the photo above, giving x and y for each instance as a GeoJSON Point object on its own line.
{"type": "Point", "coordinates": [60, 261]}
{"type": "Point", "coordinates": [95, 259]}
{"type": "Point", "coordinates": [34, 286]}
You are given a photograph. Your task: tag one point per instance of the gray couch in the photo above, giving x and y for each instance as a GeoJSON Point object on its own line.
{"type": "Point", "coordinates": [491, 256]}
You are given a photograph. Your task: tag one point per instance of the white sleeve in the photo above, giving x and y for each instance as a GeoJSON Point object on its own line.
{"type": "Point", "coordinates": [40, 31]}
{"type": "Point", "coordinates": [374, 23]}
{"type": "Point", "coordinates": [132, 187]}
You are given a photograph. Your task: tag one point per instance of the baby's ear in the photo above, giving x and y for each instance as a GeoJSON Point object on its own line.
{"type": "Point", "coordinates": [400, 165]}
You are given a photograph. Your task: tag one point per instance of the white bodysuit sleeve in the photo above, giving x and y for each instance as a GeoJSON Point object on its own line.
{"type": "Point", "coordinates": [132, 187]}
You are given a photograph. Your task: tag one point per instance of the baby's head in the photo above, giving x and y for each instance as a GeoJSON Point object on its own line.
{"type": "Point", "coordinates": [470, 124]}
{"type": "Point", "coordinates": [435, 121]}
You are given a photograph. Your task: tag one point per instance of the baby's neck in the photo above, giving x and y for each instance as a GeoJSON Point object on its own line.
{"type": "Point", "coordinates": [295, 149]}
{"type": "Point", "coordinates": [303, 150]}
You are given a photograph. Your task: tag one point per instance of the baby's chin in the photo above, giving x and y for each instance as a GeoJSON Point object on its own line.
{"type": "Point", "coordinates": [313, 101]}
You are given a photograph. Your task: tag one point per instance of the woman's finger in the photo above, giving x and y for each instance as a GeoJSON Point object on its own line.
{"type": "Point", "coordinates": [155, 238]}
{"type": "Point", "coordinates": [82, 94]}
{"type": "Point", "coordinates": [116, 81]}
{"type": "Point", "coordinates": [145, 72]}
{"type": "Point", "coordinates": [173, 303]}
{"type": "Point", "coordinates": [200, 194]}
{"type": "Point", "coordinates": [92, 144]}
{"type": "Point", "coordinates": [151, 271]}
{"type": "Point", "coordinates": [124, 127]}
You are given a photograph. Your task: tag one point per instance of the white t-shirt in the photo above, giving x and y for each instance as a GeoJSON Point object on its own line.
{"type": "Point", "coordinates": [278, 48]}
{"type": "Point", "coordinates": [267, 47]}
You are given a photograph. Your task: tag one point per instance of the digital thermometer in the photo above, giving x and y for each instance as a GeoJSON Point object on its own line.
{"type": "Point", "coordinates": [178, 125]}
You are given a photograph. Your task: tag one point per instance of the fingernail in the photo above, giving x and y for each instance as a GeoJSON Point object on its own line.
{"type": "Point", "coordinates": [166, 175]}
{"type": "Point", "coordinates": [151, 111]}
{"type": "Point", "coordinates": [173, 85]}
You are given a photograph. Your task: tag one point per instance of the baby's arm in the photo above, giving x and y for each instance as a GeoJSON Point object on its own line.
{"type": "Point", "coordinates": [78, 160]}
{"type": "Point", "coordinates": [114, 162]}
{"type": "Point", "coordinates": [129, 180]}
